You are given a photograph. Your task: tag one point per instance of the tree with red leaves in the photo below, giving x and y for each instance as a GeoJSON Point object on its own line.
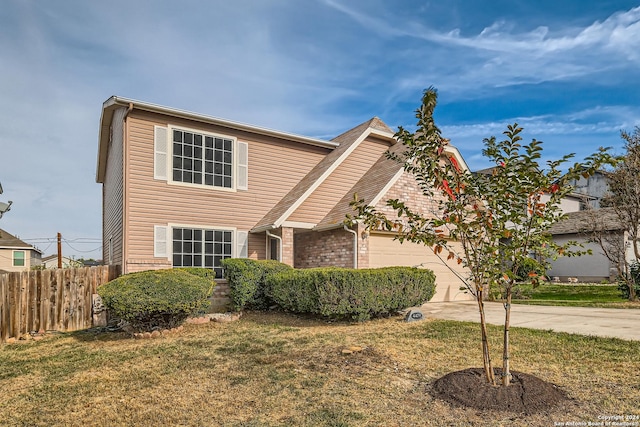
{"type": "Point", "coordinates": [498, 219]}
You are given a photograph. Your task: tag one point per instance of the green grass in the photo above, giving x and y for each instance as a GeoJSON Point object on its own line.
{"type": "Point", "coordinates": [274, 369]}
{"type": "Point", "coordinates": [576, 295]}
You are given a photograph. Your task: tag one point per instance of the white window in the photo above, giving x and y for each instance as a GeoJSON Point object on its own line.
{"type": "Point", "coordinates": [199, 158]}
{"type": "Point", "coordinates": [18, 259]}
{"type": "Point", "coordinates": [194, 247]}
{"type": "Point", "coordinates": [205, 247]}
{"type": "Point", "coordinates": [202, 159]}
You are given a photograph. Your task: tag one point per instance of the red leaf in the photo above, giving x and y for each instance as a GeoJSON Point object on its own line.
{"type": "Point", "coordinates": [447, 189]}
{"type": "Point", "coordinates": [454, 162]}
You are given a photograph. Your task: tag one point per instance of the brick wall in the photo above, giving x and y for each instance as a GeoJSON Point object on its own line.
{"type": "Point", "coordinates": [332, 248]}
{"type": "Point", "coordinates": [406, 189]}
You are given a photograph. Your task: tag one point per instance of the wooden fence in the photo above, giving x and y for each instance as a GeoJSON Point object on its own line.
{"type": "Point", "coordinates": [49, 300]}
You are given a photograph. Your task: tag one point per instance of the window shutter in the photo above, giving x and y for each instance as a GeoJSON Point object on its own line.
{"type": "Point", "coordinates": [242, 238]}
{"type": "Point", "coordinates": [160, 241]}
{"type": "Point", "coordinates": [160, 153]}
{"type": "Point", "coordinates": [243, 166]}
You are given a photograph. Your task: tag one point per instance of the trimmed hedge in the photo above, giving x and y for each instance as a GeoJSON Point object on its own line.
{"type": "Point", "coordinates": [158, 299]}
{"type": "Point", "coordinates": [349, 293]}
{"type": "Point", "coordinates": [247, 287]}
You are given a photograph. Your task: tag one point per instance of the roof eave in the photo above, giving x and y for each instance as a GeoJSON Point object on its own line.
{"type": "Point", "coordinates": [115, 101]}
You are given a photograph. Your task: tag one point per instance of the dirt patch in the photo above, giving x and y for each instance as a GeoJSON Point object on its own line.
{"type": "Point", "coordinates": [526, 394]}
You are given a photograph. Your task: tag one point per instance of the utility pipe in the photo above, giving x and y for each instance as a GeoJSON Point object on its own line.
{"type": "Point", "coordinates": [355, 245]}
{"type": "Point", "coordinates": [279, 247]}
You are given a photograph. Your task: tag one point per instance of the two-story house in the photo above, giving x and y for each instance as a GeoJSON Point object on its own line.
{"type": "Point", "coordinates": [185, 189]}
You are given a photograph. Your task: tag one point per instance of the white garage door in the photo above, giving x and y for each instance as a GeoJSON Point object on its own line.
{"type": "Point", "coordinates": [384, 251]}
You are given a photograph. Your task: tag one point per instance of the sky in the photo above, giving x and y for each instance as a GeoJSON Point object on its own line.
{"type": "Point", "coordinates": [567, 71]}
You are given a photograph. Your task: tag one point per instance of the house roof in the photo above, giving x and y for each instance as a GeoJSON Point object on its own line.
{"type": "Point", "coordinates": [9, 241]}
{"type": "Point", "coordinates": [347, 141]}
{"type": "Point", "coordinates": [115, 102]}
{"type": "Point", "coordinates": [374, 184]}
{"type": "Point", "coordinates": [582, 221]}
{"type": "Point", "coordinates": [375, 181]}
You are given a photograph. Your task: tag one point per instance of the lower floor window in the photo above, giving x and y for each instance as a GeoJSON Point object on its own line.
{"type": "Point", "coordinates": [18, 258]}
{"type": "Point", "coordinates": [194, 247]}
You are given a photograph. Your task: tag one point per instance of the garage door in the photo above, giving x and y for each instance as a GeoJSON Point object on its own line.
{"type": "Point", "coordinates": [384, 251]}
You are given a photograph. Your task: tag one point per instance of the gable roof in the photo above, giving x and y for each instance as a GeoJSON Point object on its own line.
{"type": "Point", "coordinates": [9, 241]}
{"type": "Point", "coordinates": [347, 141]}
{"type": "Point", "coordinates": [374, 185]}
{"type": "Point", "coordinates": [581, 221]}
{"type": "Point", "coordinates": [116, 102]}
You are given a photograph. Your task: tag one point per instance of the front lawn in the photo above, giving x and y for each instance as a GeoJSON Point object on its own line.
{"type": "Point", "coordinates": [576, 295]}
{"type": "Point", "coordinates": [273, 369]}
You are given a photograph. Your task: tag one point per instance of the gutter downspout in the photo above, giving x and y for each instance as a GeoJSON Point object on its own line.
{"type": "Point", "coordinates": [355, 246]}
{"type": "Point", "coordinates": [125, 193]}
{"type": "Point", "coordinates": [280, 247]}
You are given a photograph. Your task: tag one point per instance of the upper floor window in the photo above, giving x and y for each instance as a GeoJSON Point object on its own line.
{"type": "Point", "coordinates": [18, 259]}
{"type": "Point", "coordinates": [202, 159]}
{"type": "Point", "coordinates": [199, 158]}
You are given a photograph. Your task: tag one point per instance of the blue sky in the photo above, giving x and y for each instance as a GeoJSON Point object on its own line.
{"type": "Point", "coordinates": [568, 71]}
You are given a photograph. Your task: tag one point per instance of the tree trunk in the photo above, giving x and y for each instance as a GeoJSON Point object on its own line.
{"type": "Point", "coordinates": [486, 356]}
{"type": "Point", "coordinates": [506, 370]}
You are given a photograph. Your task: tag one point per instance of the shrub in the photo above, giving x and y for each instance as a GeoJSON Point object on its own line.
{"type": "Point", "coordinates": [157, 299]}
{"type": "Point", "coordinates": [349, 293]}
{"type": "Point", "coordinates": [527, 267]}
{"type": "Point", "coordinates": [247, 286]}
{"type": "Point", "coordinates": [635, 276]}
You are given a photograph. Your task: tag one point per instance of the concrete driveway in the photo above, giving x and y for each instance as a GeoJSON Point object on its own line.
{"type": "Point", "coordinates": [602, 322]}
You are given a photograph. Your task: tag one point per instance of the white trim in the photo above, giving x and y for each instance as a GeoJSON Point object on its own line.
{"type": "Point", "coordinates": [297, 224]}
{"type": "Point", "coordinates": [158, 232]}
{"type": "Point", "coordinates": [146, 106]}
{"type": "Point", "coordinates": [270, 237]}
{"type": "Point", "coordinates": [324, 176]}
{"type": "Point", "coordinates": [241, 169]}
{"type": "Point", "coordinates": [234, 142]}
{"type": "Point", "coordinates": [160, 153]}
{"type": "Point", "coordinates": [454, 151]}
{"type": "Point", "coordinates": [242, 244]}
{"type": "Point", "coordinates": [386, 187]}
{"type": "Point", "coordinates": [172, 225]}
{"type": "Point", "coordinates": [331, 226]}
{"type": "Point", "coordinates": [382, 133]}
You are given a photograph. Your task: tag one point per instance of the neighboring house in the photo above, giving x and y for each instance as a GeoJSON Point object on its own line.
{"type": "Point", "coordinates": [16, 255]}
{"type": "Point", "coordinates": [587, 268]}
{"type": "Point", "coordinates": [594, 188]}
{"type": "Point", "coordinates": [572, 202]}
{"type": "Point", "coordinates": [51, 261]}
{"type": "Point", "coordinates": [184, 189]}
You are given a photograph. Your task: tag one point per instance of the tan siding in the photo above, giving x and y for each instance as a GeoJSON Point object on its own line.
{"type": "Point", "coordinates": [274, 168]}
{"type": "Point", "coordinates": [384, 251]}
{"type": "Point", "coordinates": [340, 181]}
{"type": "Point", "coordinates": [112, 193]}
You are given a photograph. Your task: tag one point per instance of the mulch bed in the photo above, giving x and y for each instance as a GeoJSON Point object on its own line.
{"type": "Point", "coordinates": [526, 394]}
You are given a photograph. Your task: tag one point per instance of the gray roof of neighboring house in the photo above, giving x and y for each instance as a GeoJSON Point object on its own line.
{"type": "Point", "coordinates": [583, 221]}
{"type": "Point", "coordinates": [8, 240]}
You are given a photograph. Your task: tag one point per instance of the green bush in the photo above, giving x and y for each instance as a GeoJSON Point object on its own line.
{"type": "Point", "coordinates": [158, 299]}
{"type": "Point", "coordinates": [635, 275]}
{"type": "Point", "coordinates": [529, 265]}
{"type": "Point", "coordinates": [247, 286]}
{"type": "Point", "coordinates": [348, 293]}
